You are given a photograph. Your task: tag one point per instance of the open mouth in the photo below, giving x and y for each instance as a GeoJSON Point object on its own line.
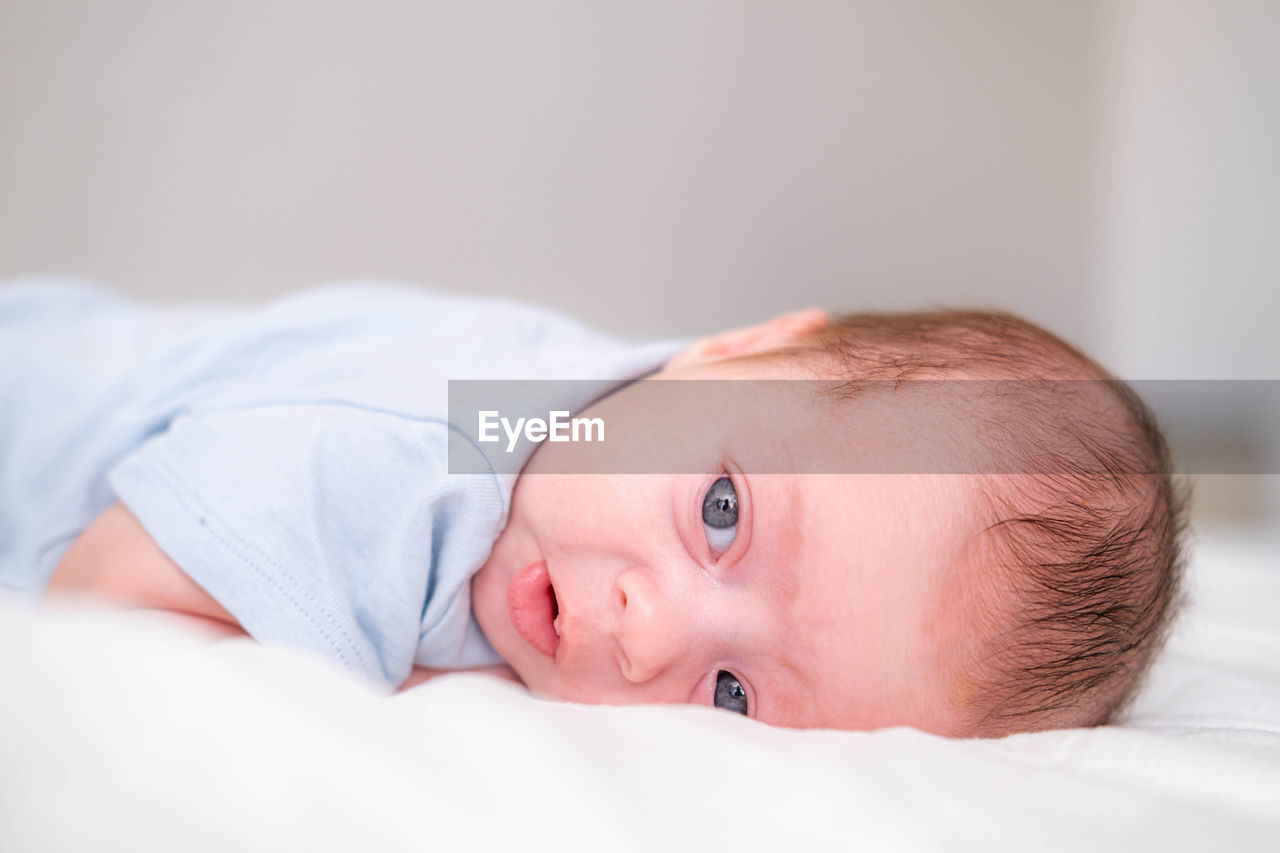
{"type": "Point", "coordinates": [534, 608]}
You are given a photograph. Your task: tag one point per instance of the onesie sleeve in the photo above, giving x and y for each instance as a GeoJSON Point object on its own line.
{"type": "Point", "coordinates": [330, 527]}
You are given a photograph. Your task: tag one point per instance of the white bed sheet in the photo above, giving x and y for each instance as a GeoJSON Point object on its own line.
{"type": "Point", "coordinates": [120, 731]}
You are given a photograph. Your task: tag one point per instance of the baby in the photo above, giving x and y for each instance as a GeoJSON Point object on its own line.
{"type": "Point", "coordinates": [948, 520]}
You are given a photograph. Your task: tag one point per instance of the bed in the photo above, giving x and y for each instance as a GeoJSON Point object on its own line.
{"type": "Point", "coordinates": [123, 731]}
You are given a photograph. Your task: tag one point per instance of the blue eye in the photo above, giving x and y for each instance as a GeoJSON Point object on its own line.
{"type": "Point", "coordinates": [720, 514]}
{"type": "Point", "coordinates": [730, 694]}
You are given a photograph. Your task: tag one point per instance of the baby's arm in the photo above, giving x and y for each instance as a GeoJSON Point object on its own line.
{"type": "Point", "coordinates": [117, 560]}
{"type": "Point", "coordinates": [422, 673]}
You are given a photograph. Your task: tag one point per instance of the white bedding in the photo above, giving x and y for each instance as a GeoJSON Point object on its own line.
{"type": "Point", "coordinates": [120, 731]}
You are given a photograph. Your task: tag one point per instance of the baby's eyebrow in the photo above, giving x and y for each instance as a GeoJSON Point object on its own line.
{"type": "Point", "coordinates": [786, 701]}
{"type": "Point", "coordinates": [788, 694]}
{"type": "Point", "coordinates": [784, 537]}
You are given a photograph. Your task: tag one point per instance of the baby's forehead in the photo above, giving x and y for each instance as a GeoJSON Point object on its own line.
{"type": "Point", "coordinates": [901, 538]}
{"type": "Point", "coordinates": [902, 512]}
{"type": "Point", "coordinates": [876, 566]}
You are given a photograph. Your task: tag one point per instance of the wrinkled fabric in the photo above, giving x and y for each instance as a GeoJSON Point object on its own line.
{"type": "Point", "coordinates": [290, 457]}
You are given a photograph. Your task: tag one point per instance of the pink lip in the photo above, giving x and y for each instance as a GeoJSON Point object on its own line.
{"type": "Point", "coordinates": [529, 603]}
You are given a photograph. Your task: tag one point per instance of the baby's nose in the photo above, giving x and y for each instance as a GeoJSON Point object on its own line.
{"type": "Point", "coordinates": [653, 628]}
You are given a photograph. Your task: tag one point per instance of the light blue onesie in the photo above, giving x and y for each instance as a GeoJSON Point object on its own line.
{"type": "Point", "coordinates": [291, 457]}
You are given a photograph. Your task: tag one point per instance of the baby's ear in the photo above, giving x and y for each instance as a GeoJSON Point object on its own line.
{"type": "Point", "coordinates": [779, 332]}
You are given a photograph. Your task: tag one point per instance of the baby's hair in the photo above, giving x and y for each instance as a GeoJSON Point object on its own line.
{"type": "Point", "coordinates": [1081, 557]}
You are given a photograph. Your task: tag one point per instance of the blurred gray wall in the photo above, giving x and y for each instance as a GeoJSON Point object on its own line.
{"type": "Point", "coordinates": [657, 167]}
{"type": "Point", "coordinates": [1188, 226]}
{"type": "Point", "coordinates": [1189, 181]}
{"type": "Point", "coordinates": [1108, 168]}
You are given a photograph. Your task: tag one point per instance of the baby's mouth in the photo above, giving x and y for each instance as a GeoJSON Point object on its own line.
{"type": "Point", "coordinates": [534, 608]}
{"type": "Point", "coordinates": [555, 611]}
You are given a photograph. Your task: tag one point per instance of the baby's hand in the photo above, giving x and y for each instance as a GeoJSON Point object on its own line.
{"type": "Point", "coordinates": [422, 673]}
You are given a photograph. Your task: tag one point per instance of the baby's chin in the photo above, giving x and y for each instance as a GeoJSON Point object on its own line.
{"type": "Point", "coordinates": [488, 603]}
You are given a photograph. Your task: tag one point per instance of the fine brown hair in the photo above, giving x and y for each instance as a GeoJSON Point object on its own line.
{"type": "Point", "coordinates": [1082, 546]}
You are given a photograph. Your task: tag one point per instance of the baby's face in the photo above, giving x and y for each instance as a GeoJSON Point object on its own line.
{"type": "Point", "coordinates": [804, 600]}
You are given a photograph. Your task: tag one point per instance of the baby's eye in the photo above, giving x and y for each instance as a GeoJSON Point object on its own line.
{"type": "Point", "coordinates": [720, 514]}
{"type": "Point", "coordinates": [730, 694]}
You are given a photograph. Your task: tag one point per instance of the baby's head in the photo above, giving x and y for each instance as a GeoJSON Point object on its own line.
{"type": "Point", "coordinates": [1021, 576]}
